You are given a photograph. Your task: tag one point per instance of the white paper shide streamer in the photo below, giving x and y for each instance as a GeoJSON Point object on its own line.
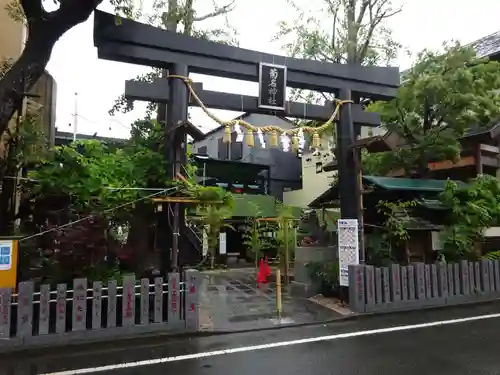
{"type": "Point", "coordinates": [239, 133]}
{"type": "Point", "coordinates": [285, 142]}
{"type": "Point", "coordinates": [261, 138]}
{"type": "Point", "coordinates": [302, 140]}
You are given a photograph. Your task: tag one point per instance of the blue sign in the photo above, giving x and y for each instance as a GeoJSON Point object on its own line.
{"type": "Point", "coordinates": [5, 258]}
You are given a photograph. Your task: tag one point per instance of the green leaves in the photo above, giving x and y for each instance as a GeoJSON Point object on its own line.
{"type": "Point", "coordinates": [441, 97]}
{"type": "Point", "coordinates": [98, 178]}
{"type": "Point", "coordinates": [342, 34]}
{"type": "Point", "coordinates": [15, 11]}
{"type": "Point", "coordinates": [5, 65]}
{"type": "Point", "coordinates": [395, 216]}
{"type": "Point", "coordinates": [333, 33]}
{"type": "Point", "coordinates": [472, 209]}
{"type": "Point", "coordinates": [178, 16]}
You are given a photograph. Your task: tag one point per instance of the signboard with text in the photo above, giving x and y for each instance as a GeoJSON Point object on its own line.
{"type": "Point", "coordinates": [348, 248]}
{"type": "Point", "coordinates": [272, 86]}
{"type": "Point", "coordinates": [6, 255]}
{"type": "Point", "coordinates": [8, 263]}
{"type": "Point", "coordinates": [222, 243]}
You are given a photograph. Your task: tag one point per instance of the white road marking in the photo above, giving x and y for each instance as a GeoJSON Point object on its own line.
{"type": "Point", "coordinates": [149, 362]}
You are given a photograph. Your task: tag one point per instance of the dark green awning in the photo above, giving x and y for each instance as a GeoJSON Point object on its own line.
{"type": "Point", "coordinates": [331, 196]}
{"type": "Point", "coordinates": [254, 205]}
{"type": "Point", "coordinates": [408, 184]}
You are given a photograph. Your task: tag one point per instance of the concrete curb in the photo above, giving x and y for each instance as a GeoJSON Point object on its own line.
{"type": "Point", "coordinates": [353, 316]}
{"type": "Point", "coordinates": [126, 342]}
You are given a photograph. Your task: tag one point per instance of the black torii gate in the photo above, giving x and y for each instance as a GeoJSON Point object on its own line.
{"type": "Point", "coordinates": [134, 42]}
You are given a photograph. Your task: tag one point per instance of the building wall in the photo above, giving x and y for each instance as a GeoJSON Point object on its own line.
{"type": "Point", "coordinates": [12, 34]}
{"type": "Point", "coordinates": [259, 120]}
{"type": "Point", "coordinates": [285, 167]}
{"type": "Point", "coordinates": [12, 39]}
{"type": "Point", "coordinates": [46, 89]}
{"type": "Point", "coordinates": [314, 180]}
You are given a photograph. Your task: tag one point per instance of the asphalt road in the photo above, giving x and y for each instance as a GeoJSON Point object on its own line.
{"type": "Point", "coordinates": [445, 342]}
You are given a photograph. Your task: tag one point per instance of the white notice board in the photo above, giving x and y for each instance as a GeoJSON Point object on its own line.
{"type": "Point", "coordinates": [205, 240]}
{"type": "Point", "coordinates": [222, 243]}
{"type": "Point", "coordinates": [348, 247]}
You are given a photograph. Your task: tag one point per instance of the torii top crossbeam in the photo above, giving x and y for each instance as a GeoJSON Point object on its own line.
{"type": "Point", "coordinates": [134, 42]}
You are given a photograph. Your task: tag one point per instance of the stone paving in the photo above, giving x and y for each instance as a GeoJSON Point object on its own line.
{"type": "Point", "coordinates": [231, 301]}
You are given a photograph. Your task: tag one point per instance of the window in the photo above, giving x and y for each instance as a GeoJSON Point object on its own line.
{"type": "Point", "coordinates": [236, 148]}
{"type": "Point", "coordinates": [202, 150]}
{"type": "Point", "coordinates": [223, 150]}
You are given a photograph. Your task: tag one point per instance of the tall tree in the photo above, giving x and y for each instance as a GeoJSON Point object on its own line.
{"type": "Point", "coordinates": [181, 16]}
{"type": "Point", "coordinates": [443, 95]}
{"type": "Point", "coordinates": [472, 209]}
{"type": "Point", "coordinates": [89, 178]}
{"type": "Point", "coordinates": [44, 28]}
{"type": "Point", "coordinates": [342, 31]}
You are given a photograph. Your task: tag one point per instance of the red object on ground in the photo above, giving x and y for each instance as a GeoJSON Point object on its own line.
{"type": "Point", "coordinates": [262, 274]}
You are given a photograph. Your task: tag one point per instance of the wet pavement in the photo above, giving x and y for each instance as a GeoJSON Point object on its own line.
{"type": "Point", "coordinates": [231, 301]}
{"type": "Point", "coordinates": [464, 341]}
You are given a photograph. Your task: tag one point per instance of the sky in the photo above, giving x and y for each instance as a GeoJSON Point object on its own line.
{"type": "Point", "coordinates": [97, 83]}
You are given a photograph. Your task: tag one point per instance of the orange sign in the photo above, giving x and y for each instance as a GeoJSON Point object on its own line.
{"type": "Point", "coordinates": [8, 263]}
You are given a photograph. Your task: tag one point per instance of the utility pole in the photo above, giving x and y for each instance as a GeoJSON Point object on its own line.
{"type": "Point", "coordinates": [75, 118]}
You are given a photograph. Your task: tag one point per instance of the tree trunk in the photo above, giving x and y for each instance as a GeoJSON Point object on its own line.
{"type": "Point", "coordinates": [138, 239]}
{"type": "Point", "coordinates": [23, 75]}
{"type": "Point", "coordinates": [44, 30]}
{"type": "Point", "coordinates": [6, 196]}
{"type": "Point", "coordinates": [352, 32]}
{"type": "Point", "coordinates": [422, 167]}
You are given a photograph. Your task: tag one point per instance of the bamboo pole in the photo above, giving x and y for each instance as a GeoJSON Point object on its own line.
{"type": "Point", "coordinates": [278, 293]}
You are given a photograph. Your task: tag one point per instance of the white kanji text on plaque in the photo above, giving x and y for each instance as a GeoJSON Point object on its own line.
{"type": "Point", "coordinates": [348, 247]}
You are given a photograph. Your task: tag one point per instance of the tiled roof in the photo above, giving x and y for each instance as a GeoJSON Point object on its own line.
{"type": "Point", "coordinates": [489, 46]}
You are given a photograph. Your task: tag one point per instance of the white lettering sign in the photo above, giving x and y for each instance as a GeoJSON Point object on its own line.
{"type": "Point", "coordinates": [272, 87]}
{"type": "Point", "coordinates": [222, 243]}
{"type": "Point", "coordinates": [348, 248]}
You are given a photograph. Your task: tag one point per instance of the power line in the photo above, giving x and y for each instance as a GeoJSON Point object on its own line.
{"type": "Point", "coordinates": [104, 121]}
{"type": "Point", "coordinates": [91, 216]}
{"type": "Point", "coordinates": [104, 187]}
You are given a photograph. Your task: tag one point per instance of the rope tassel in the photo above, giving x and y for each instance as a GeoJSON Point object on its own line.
{"type": "Point", "coordinates": [316, 142]}
{"type": "Point", "coordinates": [227, 134]}
{"type": "Point", "coordinates": [250, 139]}
{"type": "Point", "coordinates": [295, 143]}
{"type": "Point", "coordinates": [273, 130]}
{"type": "Point", "coordinates": [273, 139]}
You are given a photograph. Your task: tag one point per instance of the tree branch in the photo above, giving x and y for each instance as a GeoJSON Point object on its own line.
{"type": "Point", "coordinates": [334, 30]}
{"type": "Point", "coordinates": [217, 12]}
{"type": "Point", "coordinates": [71, 13]}
{"type": "Point", "coordinates": [33, 10]}
{"type": "Point", "coordinates": [45, 28]}
{"type": "Point", "coordinates": [375, 20]}
{"type": "Point", "coordinates": [362, 11]}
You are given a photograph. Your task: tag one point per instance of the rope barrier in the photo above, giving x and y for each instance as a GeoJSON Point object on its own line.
{"type": "Point", "coordinates": [274, 130]}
